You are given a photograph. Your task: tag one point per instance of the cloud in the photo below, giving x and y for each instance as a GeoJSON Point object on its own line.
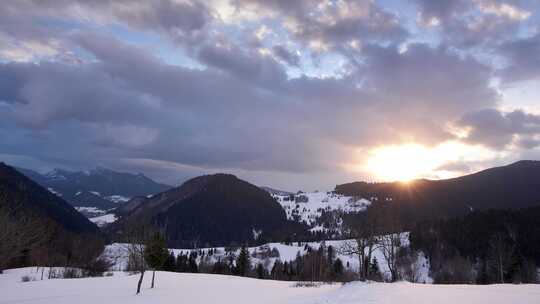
{"type": "Point", "coordinates": [498, 129]}
{"type": "Point", "coordinates": [25, 36]}
{"type": "Point", "coordinates": [281, 88]}
{"type": "Point", "coordinates": [325, 25]}
{"type": "Point", "coordinates": [284, 54]}
{"type": "Point", "coordinates": [477, 23]}
{"type": "Point", "coordinates": [522, 57]}
{"type": "Point", "coordinates": [242, 112]}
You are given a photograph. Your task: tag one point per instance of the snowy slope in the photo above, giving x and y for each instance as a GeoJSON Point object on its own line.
{"type": "Point", "coordinates": [104, 220]}
{"type": "Point", "coordinates": [308, 211]}
{"type": "Point", "coordinates": [206, 288]}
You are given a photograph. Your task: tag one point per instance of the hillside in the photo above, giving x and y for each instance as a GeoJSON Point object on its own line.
{"type": "Point", "coordinates": [509, 187]}
{"type": "Point", "coordinates": [321, 211]}
{"type": "Point", "coordinates": [22, 195]}
{"type": "Point", "coordinates": [211, 209]}
{"type": "Point", "coordinates": [99, 188]}
{"type": "Point", "coordinates": [38, 226]}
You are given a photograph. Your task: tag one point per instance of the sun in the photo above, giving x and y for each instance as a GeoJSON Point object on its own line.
{"type": "Point", "coordinates": [401, 163]}
{"type": "Point", "coordinates": [410, 161]}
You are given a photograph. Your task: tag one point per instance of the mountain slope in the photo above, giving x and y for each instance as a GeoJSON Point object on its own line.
{"type": "Point", "coordinates": [100, 188]}
{"type": "Point", "coordinates": [509, 187]}
{"type": "Point", "coordinates": [215, 209]}
{"type": "Point", "coordinates": [25, 197]}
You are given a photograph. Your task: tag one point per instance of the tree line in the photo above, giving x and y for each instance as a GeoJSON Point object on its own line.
{"type": "Point", "coordinates": [28, 240]}
{"type": "Point", "coordinates": [483, 247]}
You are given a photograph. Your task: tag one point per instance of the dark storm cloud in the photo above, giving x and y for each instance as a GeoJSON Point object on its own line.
{"type": "Point", "coordinates": [498, 129]}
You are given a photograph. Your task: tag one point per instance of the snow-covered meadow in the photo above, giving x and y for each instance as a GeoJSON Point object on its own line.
{"type": "Point", "coordinates": [117, 254]}
{"type": "Point", "coordinates": [207, 289]}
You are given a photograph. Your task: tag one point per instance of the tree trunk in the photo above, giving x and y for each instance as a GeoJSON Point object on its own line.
{"type": "Point", "coordinates": [370, 251]}
{"type": "Point", "coordinates": [501, 272]}
{"type": "Point", "coordinates": [140, 282]}
{"type": "Point", "coordinates": [361, 267]}
{"type": "Point", "coordinates": [153, 276]}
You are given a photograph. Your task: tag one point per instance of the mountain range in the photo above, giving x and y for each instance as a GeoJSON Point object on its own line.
{"type": "Point", "coordinates": [222, 209]}
{"type": "Point", "coordinates": [100, 188]}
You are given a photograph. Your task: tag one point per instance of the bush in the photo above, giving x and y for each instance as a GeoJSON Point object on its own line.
{"type": "Point", "coordinates": [97, 267]}
{"type": "Point", "coordinates": [27, 278]}
{"type": "Point", "coordinates": [456, 270]}
{"type": "Point", "coordinates": [71, 273]}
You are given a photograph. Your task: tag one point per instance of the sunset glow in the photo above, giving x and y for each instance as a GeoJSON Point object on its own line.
{"type": "Point", "coordinates": [411, 161]}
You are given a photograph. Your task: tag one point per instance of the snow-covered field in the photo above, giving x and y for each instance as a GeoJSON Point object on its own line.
{"type": "Point", "coordinates": [317, 202]}
{"type": "Point", "coordinates": [117, 253]}
{"type": "Point", "coordinates": [209, 289]}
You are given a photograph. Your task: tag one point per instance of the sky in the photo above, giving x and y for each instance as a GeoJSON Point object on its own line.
{"type": "Point", "coordinates": [289, 94]}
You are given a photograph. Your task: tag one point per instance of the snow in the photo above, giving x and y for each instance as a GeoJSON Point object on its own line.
{"type": "Point", "coordinates": [94, 210]}
{"type": "Point", "coordinates": [55, 174]}
{"type": "Point", "coordinates": [117, 198]}
{"type": "Point", "coordinates": [408, 293]}
{"type": "Point", "coordinates": [54, 191]}
{"type": "Point", "coordinates": [317, 202]}
{"type": "Point", "coordinates": [103, 220]}
{"type": "Point", "coordinates": [208, 288]}
{"type": "Point", "coordinates": [95, 193]}
{"type": "Point", "coordinates": [117, 253]}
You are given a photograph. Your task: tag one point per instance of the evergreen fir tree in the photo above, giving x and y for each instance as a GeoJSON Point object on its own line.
{"type": "Point", "coordinates": [170, 263]}
{"type": "Point", "coordinates": [155, 254]}
{"type": "Point", "coordinates": [243, 263]}
{"type": "Point", "coordinates": [260, 271]}
{"type": "Point", "coordinates": [337, 268]}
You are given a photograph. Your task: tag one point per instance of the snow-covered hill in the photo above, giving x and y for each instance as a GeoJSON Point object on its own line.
{"type": "Point", "coordinates": [308, 207]}
{"type": "Point", "coordinates": [207, 288]}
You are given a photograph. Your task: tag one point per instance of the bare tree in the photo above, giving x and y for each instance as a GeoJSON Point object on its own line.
{"type": "Point", "coordinates": [500, 255]}
{"type": "Point", "coordinates": [18, 235]}
{"type": "Point", "coordinates": [409, 266]}
{"type": "Point", "coordinates": [136, 237]}
{"type": "Point", "coordinates": [363, 228]}
{"type": "Point", "coordinates": [390, 242]}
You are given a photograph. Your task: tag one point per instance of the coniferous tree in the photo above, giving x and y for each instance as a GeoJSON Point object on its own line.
{"type": "Point", "coordinates": [170, 263]}
{"type": "Point", "coordinates": [374, 272]}
{"type": "Point", "coordinates": [192, 263]}
{"type": "Point", "coordinates": [243, 263]}
{"type": "Point", "coordinates": [260, 271]}
{"type": "Point", "coordinates": [155, 254]}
